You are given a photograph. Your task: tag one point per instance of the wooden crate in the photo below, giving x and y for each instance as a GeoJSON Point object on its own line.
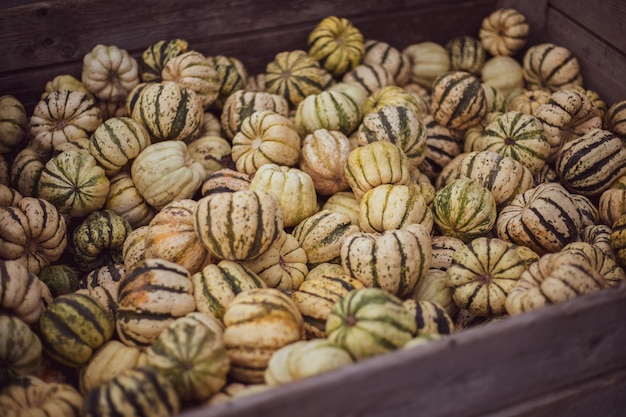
{"type": "Point", "coordinates": [563, 360]}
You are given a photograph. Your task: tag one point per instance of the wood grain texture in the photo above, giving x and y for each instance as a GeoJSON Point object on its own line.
{"type": "Point", "coordinates": [603, 66]}
{"type": "Point", "coordinates": [530, 365]}
{"type": "Point", "coordinates": [44, 39]}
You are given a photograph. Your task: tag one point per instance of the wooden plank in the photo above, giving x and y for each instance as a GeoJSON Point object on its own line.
{"type": "Point", "coordinates": [472, 373]}
{"type": "Point", "coordinates": [603, 67]}
{"type": "Point", "coordinates": [256, 48]}
{"type": "Point", "coordinates": [605, 19]}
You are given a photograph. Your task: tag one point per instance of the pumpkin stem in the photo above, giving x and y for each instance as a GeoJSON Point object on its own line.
{"type": "Point", "coordinates": [350, 320]}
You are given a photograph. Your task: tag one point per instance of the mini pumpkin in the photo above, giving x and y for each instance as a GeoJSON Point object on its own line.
{"type": "Point", "coordinates": [337, 44]}
{"type": "Point", "coordinates": [13, 123]}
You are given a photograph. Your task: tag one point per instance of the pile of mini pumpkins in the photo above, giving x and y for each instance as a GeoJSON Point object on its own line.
{"type": "Point", "coordinates": [177, 233]}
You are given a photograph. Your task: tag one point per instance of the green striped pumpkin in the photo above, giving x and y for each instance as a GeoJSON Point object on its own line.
{"type": "Point", "coordinates": [434, 288]}
{"type": "Point", "coordinates": [26, 169]}
{"type": "Point", "coordinates": [295, 75]}
{"type": "Point", "coordinates": [242, 104]}
{"type": "Point", "coordinates": [482, 274]}
{"type": "Point", "coordinates": [464, 209]}
{"type": "Point", "coordinates": [442, 145]}
{"type": "Point", "coordinates": [390, 58]}
{"type": "Point", "coordinates": [599, 235]}
{"type": "Point", "coordinates": [466, 54]}
{"type": "Point", "coordinates": [73, 326]}
{"type": "Point", "coordinates": [430, 317]}
{"type": "Point", "coordinates": [322, 234]}
{"type": "Point", "coordinates": [392, 95]}
{"type": "Point", "coordinates": [545, 218]}
{"type": "Point", "coordinates": [13, 123]}
{"type": "Point", "coordinates": [225, 180]}
{"type": "Point", "coordinates": [232, 75]}
{"type": "Point", "coordinates": [150, 297]}
{"type": "Point", "coordinates": [589, 213]}
{"type": "Point", "coordinates": [398, 125]}
{"type": "Point", "coordinates": [216, 285]}
{"type": "Point", "coordinates": [140, 391]}
{"type": "Point", "coordinates": [337, 44]}
{"type": "Point", "coordinates": [239, 225]}
{"type": "Point", "coordinates": [458, 100]}
{"type": "Point", "coordinates": [74, 182]}
{"type": "Point", "coordinates": [20, 349]}
{"type": "Point", "coordinates": [193, 71]}
{"type": "Point", "coordinates": [394, 260]}
{"type": "Point", "coordinates": [317, 295]}
{"type": "Point", "coordinates": [607, 266]}
{"type": "Point", "coordinates": [612, 202]}
{"type": "Point", "coordinates": [258, 323]}
{"type": "Point", "coordinates": [369, 77]}
{"type": "Point", "coordinates": [323, 156]}
{"type": "Point", "coordinates": [615, 119]}
{"type": "Point", "coordinates": [550, 66]}
{"type": "Point", "coordinates": [102, 284]}
{"type": "Point", "coordinates": [134, 248]}
{"type": "Point", "coordinates": [60, 278]}
{"type": "Point", "coordinates": [155, 57]}
{"type": "Point", "coordinates": [169, 111]}
{"type": "Point", "coordinates": [99, 239]}
{"type": "Point", "coordinates": [32, 396]}
{"type": "Point", "coordinates": [368, 322]}
{"type": "Point", "coordinates": [192, 356]}
{"type": "Point", "coordinates": [125, 199]}
{"type": "Point", "coordinates": [116, 142]}
{"type": "Point", "coordinates": [518, 136]}
{"type": "Point", "coordinates": [330, 110]}
{"type": "Point", "coordinates": [589, 164]}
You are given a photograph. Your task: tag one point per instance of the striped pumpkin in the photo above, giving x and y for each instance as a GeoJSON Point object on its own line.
{"type": "Point", "coordinates": [378, 162]}
{"type": "Point", "coordinates": [99, 239]}
{"type": "Point", "coordinates": [294, 188]}
{"type": "Point", "coordinates": [116, 142]}
{"type": "Point", "coordinates": [589, 213]}
{"type": "Point", "coordinates": [65, 82]}
{"type": "Point", "coordinates": [464, 209]}
{"type": "Point", "coordinates": [337, 44]}
{"type": "Point", "coordinates": [504, 32]}
{"type": "Point", "coordinates": [155, 57]}
{"type": "Point", "coordinates": [545, 218]}
{"type": "Point", "coordinates": [265, 137]}
{"type": "Point", "coordinates": [518, 136]}
{"type": "Point", "coordinates": [150, 297]}
{"type": "Point", "coordinates": [258, 323]}
{"type": "Point", "coordinates": [8, 196]}
{"type": "Point", "coordinates": [428, 61]}
{"type": "Point", "coordinates": [165, 171]}
{"type": "Point", "coordinates": [217, 285]}
{"type": "Point", "coordinates": [20, 349]}
{"type": "Point", "coordinates": [398, 125]}
{"type": "Point", "coordinates": [458, 100]}
{"type": "Point", "coordinates": [109, 72]}
{"type": "Point", "coordinates": [482, 274]}
{"type": "Point", "coordinates": [283, 265]}
{"type": "Point", "coordinates": [26, 169]}
{"type": "Point", "coordinates": [527, 101]}
{"type": "Point", "coordinates": [30, 395]}
{"type": "Point", "coordinates": [242, 104]}
{"type": "Point", "coordinates": [555, 278]}
{"type": "Point", "coordinates": [607, 266]}
{"type": "Point", "coordinates": [74, 182]}
{"type": "Point", "coordinates": [33, 232]}
{"type": "Point", "coordinates": [134, 248]}
{"type": "Point", "coordinates": [370, 77]}
{"type": "Point", "coordinates": [73, 326]}
{"type": "Point", "coordinates": [595, 98]}
{"type": "Point", "coordinates": [317, 295]}
{"type": "Point", "coordinates": [618, 240]}
{"type": "Point", "coordinates": [443, 249]}
{"type": "Point", "coordinates": [125, 200]}
{"type": "Point", "coordinates": [171, 235]}
{"type": "Point", "coordinates": [442, 145]}
{"type": "Point", "coordinates": [612, 202]}
{"type": "Point", "coordinates": [225, 180]}
{"type": "Point", "coordinates": [13, 123]}
{"type": "Point", "coordinates": [550, 66]}
{"type": "Point", "coordinates": [344, 202]}
{"type": "Point", "coordinates": [22, 294]}
{"type": "Point", "coordinates": [589, 164]}
{"type": "Point", "coordinates": [394, 260]}
{"type": "Point", "coordinates": [295, 75]}
{"type": "Point", "coordinates": [567, 115]}
{"type": "Point", "coordinates": [322, 234]}
{"type": "Point", "coordinates": [232, 75]}
{"type": "Point", "coordinates": [169, 111]}
{"type": "Point", "coordinates": [331, 110]}
{"type": "Point", "coordinates": [60, 278]}
{"type": "Point", "coordinates": [369, 322]}
{"type": "Point", "coordinates": [408, 206]}
{"type": "Point", "coordinates": [239, 225]}
{"type": "Point", "coordinates": [195, 72]}
{"type": "Point", "coordinates": [390, 58]}
{"type": "Point", "coordinates": [63, 116]}
{"type": "Point", "coordinates": [323, 157]}
{"type": "Point", "coordinates": [615, 119]}
{"type": "Point", "coordinates": [466, 54]}
{"type": "Point", "coordinates": [192, 356]}
{"type": "Point", "coordinates": [102, 284]}
{"type": "Point", "coordinates": [139, 391]}
{"type": "Point", "coordinates": [433, 288]}
{"type": "Point", "coordinates": [599, 236]}
{"type": "Point", "coordinates": [431, 318]}
{"type": "Point", "coordinates": [392, 95]}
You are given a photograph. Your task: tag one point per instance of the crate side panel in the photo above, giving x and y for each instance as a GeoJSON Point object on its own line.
{"type": "Point", "coordinates": [472, 373]}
